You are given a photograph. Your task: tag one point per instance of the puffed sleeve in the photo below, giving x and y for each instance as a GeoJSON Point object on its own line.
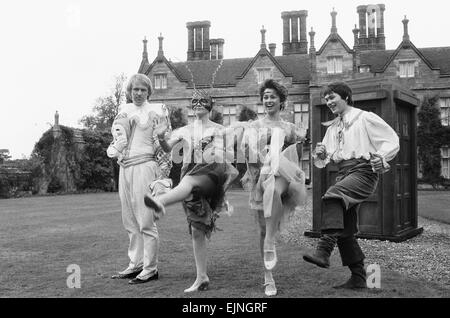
{"type": "Point", "coordinates": [328, 143]}
{"type": "Point", "coordinates": [382, 136]}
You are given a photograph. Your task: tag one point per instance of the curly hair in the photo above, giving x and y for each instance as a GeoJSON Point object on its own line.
{"type": "Point", "coordinates": [340, 88]}
{"type": "Point", "coordinates": [280, 90]}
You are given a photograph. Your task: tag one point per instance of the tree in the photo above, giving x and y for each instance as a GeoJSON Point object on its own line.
{"type": "Point", "coordinates": [247, 113]}
{"type": "Point", "coordinates": [216, 116]}
{"type": "Point", "coordinates": [4, 155]}
{"type": "Point", "coordinates": [429, 140]}
{"type": "Point", "coordinates": [107, 107]}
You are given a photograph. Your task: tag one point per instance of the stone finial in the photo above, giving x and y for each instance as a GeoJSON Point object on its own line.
{"type": "Point", "coordinates": [144, 52]}
{"type": "Point", "coordinates": [263, 38]}
{"type": "Point", "coordinates": [333, 21]}
{"type": "Point", "coordinates": [405, 29]}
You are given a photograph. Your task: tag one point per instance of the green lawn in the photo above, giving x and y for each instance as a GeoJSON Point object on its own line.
{"type": "Point", "coordinates": [41, 236]}
{"type": "Point", "coordinates": [435, 205]}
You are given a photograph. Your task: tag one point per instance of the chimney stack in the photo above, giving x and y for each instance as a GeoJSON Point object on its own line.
{"type": "Point", "coordinates": [272, 48]}
{"type": "Point", "coordinates": [355, 37]}
{"type": "Point", "coordinates": [381, 40]}
{"type": "Point", "coordinates": [312, 49]}
{"type": "Point", "coordinates": [371, 14]}
{"type": "Point", "coordinates": [362, 26]}
{"type": "Point", "coordinates": [198, 40]}
{"type": "Point", "coordinates": [294, 32]}
{"type": "Point", "coordinates": [216, 48]}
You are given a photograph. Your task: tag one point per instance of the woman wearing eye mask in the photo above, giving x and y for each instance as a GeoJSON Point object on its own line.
{"type": "Point", "coordinates": [205, 176]}
{"type": "Point", "coordinates": [273, 152]}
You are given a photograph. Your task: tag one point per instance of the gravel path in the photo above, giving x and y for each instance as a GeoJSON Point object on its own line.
{"type": "Point", "coordinates": [426, 256]}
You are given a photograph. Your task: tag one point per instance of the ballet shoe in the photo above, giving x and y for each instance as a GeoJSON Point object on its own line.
{"type": "Point", "coordinates": [270, 264]}
{"type": "Point", "coordinates": [270, 289]}
{"type": "Point", "coordinates": [203, 286]}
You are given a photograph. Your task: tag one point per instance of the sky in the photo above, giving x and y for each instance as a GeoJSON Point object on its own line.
{"type": "Point", "coordinates": [61, 55]}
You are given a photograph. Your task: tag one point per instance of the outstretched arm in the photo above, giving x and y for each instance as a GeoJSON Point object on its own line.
{"type": "Point", "coordinates": [161, 130]}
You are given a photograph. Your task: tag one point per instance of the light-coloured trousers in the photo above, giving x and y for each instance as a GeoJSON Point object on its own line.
{"type": "Point", "coordinates": [137, 218]}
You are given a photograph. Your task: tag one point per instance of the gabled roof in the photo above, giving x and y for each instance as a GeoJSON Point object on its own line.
{"type": "Point", "coordinates": [263, 52]}
{"type": "Point", "coordinates": [178, 75]}
{"type": "Point", "coordinates": [334, 37]}
{"type": "Point", "coordinates": [437, 58]}
{"type": "Point", "coordinates": [230, 71]}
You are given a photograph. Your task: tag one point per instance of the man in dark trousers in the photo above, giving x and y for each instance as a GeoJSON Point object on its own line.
{"type": "Point", "coordinates": [360, 143]}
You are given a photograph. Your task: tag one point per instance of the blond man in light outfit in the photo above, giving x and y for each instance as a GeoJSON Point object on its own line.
{"type": "Point", "coordinates": [136, 155]}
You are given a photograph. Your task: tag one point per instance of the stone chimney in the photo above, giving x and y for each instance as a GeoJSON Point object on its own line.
{"type": "Point", "coordinates": [198, 40]}
{"type": "Point", "coordinates": [372, 37]}
{"type": "Point", "coordinates": [216, 46]}
{"type": "Point", "coordinates": [371, 19]}
{"type": "Point", "coordinates": [362, 26]}
{"type": "Point", "coordinates": [312, 49]}
{"type": "Point", "coordinates": [312, 58]}
{"type": "Point", "coordinates": [381, 39]}
{"type": "Point", "coordinates": [355, 37]}
{"type": "Point", "coordinates": [294, 32]}
{"type": "Point", "coordinates": [272, 48]}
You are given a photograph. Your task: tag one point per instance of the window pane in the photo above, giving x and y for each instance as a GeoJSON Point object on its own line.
{"type": "Point", "coordinates": [338, 65]}
{"type": "Point", "coordinates": [305, 107]}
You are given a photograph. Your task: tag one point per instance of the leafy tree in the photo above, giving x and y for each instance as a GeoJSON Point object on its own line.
{"type": "Point", "coordinates": [216, 116]}
{"type": "Point", "coordinates": [107, 107]}
{"type": "Point", "coordinates": [4, 155]}
{"type": "Point", "coordinates": [178, 117]}
{"type": "Point", "coordinates": [429, 140]}
{"type": "Point", "coordinates": [247, 113]}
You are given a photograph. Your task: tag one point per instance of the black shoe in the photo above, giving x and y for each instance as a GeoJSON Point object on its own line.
{"type": "Point", "coordinates": [126, 276]}
{"type": "Point", "coordinates": [141, 281]}
{"type": "Point", "coordinates": [358, 278]}
{"type": "Point", "coordinates": [321, 256]}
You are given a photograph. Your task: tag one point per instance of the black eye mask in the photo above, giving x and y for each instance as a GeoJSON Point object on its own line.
{"type": "Point", "coordinates": [202, 98]}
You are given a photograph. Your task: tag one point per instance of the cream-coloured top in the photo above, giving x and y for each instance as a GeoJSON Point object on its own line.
{"type": "Point", "coordinates": [145, 118]}
{"type": "Point", "coordinates": [357, 134]}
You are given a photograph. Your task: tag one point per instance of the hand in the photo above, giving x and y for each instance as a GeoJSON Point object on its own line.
{"type": "Point", "coordinates": [377, 162]}
{"type": "Point", "coordinates": [120, 143]}
{"type": "Point", "coordinates": [321, 151]}
{"type": "Point", "coordinates": [161, 128]}
{"type": "Point", "coordinates": [300, 134]}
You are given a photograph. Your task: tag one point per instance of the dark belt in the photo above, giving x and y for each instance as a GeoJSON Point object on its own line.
{"type": "Point", "coordinates": [350, 162]}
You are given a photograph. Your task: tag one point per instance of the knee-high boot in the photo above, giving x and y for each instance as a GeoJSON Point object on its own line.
{"type": "Point", "coordinates": [321, 256]}
{"type": "Point", "coordinates": [353, 257]}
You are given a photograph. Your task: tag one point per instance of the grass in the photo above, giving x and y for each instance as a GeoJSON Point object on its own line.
{"type": "Point", "coordinates": [434, 205]}
{"type": "Point", "coordinates": [41, 236]}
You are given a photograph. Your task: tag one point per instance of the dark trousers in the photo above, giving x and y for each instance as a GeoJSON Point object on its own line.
{"type": "Point", "coordinates": [355, 183]}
